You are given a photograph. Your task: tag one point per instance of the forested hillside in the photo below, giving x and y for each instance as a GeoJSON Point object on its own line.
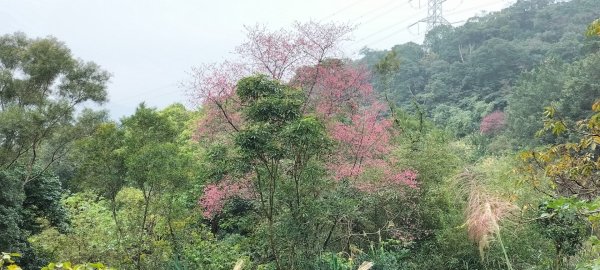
{"type": "Point", "coordinates": [476, 150]}
{"type": "Point", "coordinates": [495, 63]}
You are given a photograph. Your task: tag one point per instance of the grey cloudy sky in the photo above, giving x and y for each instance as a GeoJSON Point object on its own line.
{"type": "Point", "coordinates": [150, 45]}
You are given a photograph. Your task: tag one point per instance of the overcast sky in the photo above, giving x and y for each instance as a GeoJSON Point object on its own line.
{"type": "Point", "coordinates": [149, 46]}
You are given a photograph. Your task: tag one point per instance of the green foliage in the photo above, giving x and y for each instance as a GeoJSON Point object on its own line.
{"type": "Point", "coordinates": [331, 261]}
{"type": "Point", "coordinates": [40, 106]}
{"type": "Point", "coordinates": [43, 87]}
{"type": "Point", "coordinates": [91, 237]}
{"type": "Point", "coordinates": [69, 266]}
{"type": "Point", "coordinates": [437, 211]}
{"type": "Point", "coordinates": [95, 237]}
{"type": "Point", "coordinates": [570, 166]}
{"type": "Point", "coordinates": [565, 87]}
{"type": "Point", "coordinates": [568, 172]}
{"type": "Point", "coordinates": [536, 90]}
{"type": "Point", "coordinates": [455, 120]}
{"type": "Point", "coordinates": [590, 259]}
{"type": "Point", "coordinates": [11, 200]}
{"type": "Point", "coordinates": [388, 254]}
{"type": "Point", "coordinates": [138, 183]}
{"type": "Point", "coordinates": [561, 222]}
{"type": "Point", "coordinates": [42, 200]}
{"type": "Point", "coordinates": [203, 251]}
{"type": "Point", "coordinates": [276, 139]}
{"type": "Point", "coordinates": [100, 161]}
{"type": "Point", "coordinates": [7, 261]}
{"type": "Point", "coordinates": [26, 210]}
{"type": "Point", "coordinates": [594, 29]}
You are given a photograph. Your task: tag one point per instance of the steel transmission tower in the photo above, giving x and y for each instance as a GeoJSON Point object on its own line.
{"type": "Point", "coordinates": [434, 15]}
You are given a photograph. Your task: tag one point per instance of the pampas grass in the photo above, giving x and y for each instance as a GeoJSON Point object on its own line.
{"type": "Point", "coordinates": [483, 213]}
{"type": "Point", "coordinates": [239, 265]}
{"type": "Point", "coordinates": [365, 266]}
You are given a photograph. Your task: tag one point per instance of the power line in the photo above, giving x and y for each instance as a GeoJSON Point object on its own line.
{"type": "Point", "coordinates": [392, 26]}
{"type": "Point", "coordinates": [457, 6]}
{"type": "Point", "coordinates": [341, 10]}
{"type": "Point", "coordinates": [378, 16]}
{"type": "Point", "coordinates": [475, 7]}
{"type": "Point", "coordinates": [373, 10]}
{"type": "Point", "coordinates": [388, 36]}
{"type": "Point", "coordinates": [153, 90]}
{"type": "Point", "coordinates": [434, 13]}
{"type": "Point", "coordinates": [405, 28]}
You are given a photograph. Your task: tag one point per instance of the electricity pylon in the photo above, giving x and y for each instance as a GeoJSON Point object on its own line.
{"type": "Point", "coordinates": [434, 15]}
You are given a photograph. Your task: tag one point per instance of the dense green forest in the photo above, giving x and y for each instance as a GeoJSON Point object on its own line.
{"type": "Point", "coordinates": [474, 150]}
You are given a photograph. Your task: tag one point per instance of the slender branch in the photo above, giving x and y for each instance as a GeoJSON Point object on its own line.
{"type": "Point", "coordinates": [220, 106]}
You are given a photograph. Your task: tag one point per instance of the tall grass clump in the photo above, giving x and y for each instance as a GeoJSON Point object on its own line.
{"type": "Point", "coordinates": [484, 212]}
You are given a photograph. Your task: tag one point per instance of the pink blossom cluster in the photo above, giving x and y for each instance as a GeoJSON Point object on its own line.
{"type": "Point", "coordinates": [281, 52]}
{"type": "Point", "coordinates": [406, 177]}
{"type": "Point", "coordinates": [216, 195]}
{"type": "Point", "coordinates": [216, 121]}
{"type": "Point", "coordinates": [492, 122]}
{"type": "Point", "coordinates": [363, 141]}
{"type": "Point", "coordinates": [215, 82]}
{"type": "Point", "coordinates": [213, 87]}
{"type": "Point", "coordinates": [334, 87]}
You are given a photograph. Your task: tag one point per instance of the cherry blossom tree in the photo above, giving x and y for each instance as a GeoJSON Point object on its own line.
{"type": "Point", "coordinates": [492, 122]}
{"type": "Point", "coordinates": [334, 89]}
{"type": "Point", "coordinates": [303, 122]}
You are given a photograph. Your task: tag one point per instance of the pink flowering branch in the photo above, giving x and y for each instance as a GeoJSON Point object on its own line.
{"type": "Point", "coordinates": [334, 86]}
{"type": "Point", "coordinates": [364, 140]}
{"type": "Point", "coordinates": [213, 87]}
{"type": "Point", "coordinates": [322, 40]}
{"type": "Point", "coordinates": [279, 53]}
{"type": "Point", "coordinates": [275, 53]}
{"type": "Point", "coordinates": [215, 82]}
{"type": "Point", "coordinates": [364, 144]}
